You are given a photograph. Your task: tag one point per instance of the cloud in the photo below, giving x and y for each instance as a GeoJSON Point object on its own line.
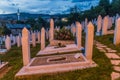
{"type": "Point", "coordinates": [36, 6]}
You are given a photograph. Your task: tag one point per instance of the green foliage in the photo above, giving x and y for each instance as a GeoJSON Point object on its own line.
{"type": "Point", "coordinates": [64, 34]}
{"type": "Point", "coordinates": [104, 8]}
{"type": "Point", "coordinates": [4, 31]}
{"type": "Point", "coordinates": [1, 30]}
{"type": "Point", "coordinates": [75, 15]}
{"type": "Point", "coordinates": [37, 24]}
{"type": "Point", "coordinates": [14, 57]}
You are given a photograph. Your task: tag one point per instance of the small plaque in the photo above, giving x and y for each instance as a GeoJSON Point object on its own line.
{"type": "Point", "coordinates": [77, 55]}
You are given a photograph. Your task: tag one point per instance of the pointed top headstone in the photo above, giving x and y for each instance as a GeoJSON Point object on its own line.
{"type": "Point", "coordinates": [25, 32]}
{"type": "Point", "coordinates": [90, 25]}
{"type": "Point", "coordinates": [78, 24]}
{"type": "Point", "coordinates": [51, 23]}
{"type": "Point", "coordinates": [43, 29]}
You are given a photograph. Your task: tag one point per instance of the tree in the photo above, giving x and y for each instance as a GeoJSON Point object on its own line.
{"type": "Point", "coordinates": [115, 7]}
{"type": "Point", "coordinates": [105, 4]}
{"type": "Point", "coordinates": [75, 14]}
{"type": "Point", "coordinates": [4, 31]}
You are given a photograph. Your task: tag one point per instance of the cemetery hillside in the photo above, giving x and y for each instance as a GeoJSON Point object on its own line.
{"type": "Point", "coordinates": [60, 40]}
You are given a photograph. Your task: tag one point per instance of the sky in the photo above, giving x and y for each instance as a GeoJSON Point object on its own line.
{"type": "Point", "coordinates": [35, 6]}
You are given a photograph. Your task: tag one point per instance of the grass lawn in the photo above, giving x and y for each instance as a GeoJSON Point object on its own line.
{"type": "Point", "coordinates": [102, 72]}
{"type": "Point", "coordinates": [14, 57]}
{"type": "Point", "coordinates": [108, 40]}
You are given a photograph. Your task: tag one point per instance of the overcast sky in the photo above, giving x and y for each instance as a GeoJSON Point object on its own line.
{"type": "Point", "coordinates": [34, 6]}
{"type": "Point", "coordinates": [43, 6]}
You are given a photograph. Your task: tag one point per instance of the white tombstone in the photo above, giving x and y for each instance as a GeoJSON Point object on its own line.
{"type": "Point", "coordinates": [117, 32]}
{"type": "Point", "coordinates": [42, 38]}
{"type": "Point", "coordinates": [51, 30]}
{"type": "Point", "coordinates": [110, 23]}
{"type": "Point", "coordinates": [78, 34]}
{"type": "Point", "coordinates": [99, 25]}
{"type": "Point", "coordinates": [34, 39]}
{"type": "Point", "coordinates": [38, 34]}
{"type": "Point", "coordinates": [8, 43]}
{"type": "Point", "coordinates": [14, 40]}
{"type": "Point", "coordinates": [86, 23]}
{"type": "Point", "coordinates": [105, 25]}
{"type": "Point", "coordinates": [18, 41]}
{"type": "Point", "coordinates": [89, 41]}
{"type": "Point", "coordinates": [25, 46]}
{"type": "Point", "coordinates": [73, 29]}
{"type": "Point", "coordinates": [47, 34]}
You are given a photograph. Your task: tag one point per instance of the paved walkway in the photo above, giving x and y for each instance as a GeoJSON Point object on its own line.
{"type": "Point", "coordinates": [114, 58]}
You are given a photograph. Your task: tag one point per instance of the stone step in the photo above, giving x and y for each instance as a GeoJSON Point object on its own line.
{"type": "Point", "coordinates": [115, 75]}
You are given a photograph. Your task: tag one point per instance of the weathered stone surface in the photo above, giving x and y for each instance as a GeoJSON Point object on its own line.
{"type": "Point", "coordinates": [105, 25]}
{"type": "Point", "coordinates": [115, 75]}
{"type": "Point", "coordinates": [42, 38]}
{"type": "Point", "coordinates": [86, 23]}
{"type": "Point", "coordinates": [14, 40]}
{"type": "Point", "coordinates": [78, 34]}
{"type": "Point", "coordinates": [39, 38]}
{"type": "Point", "coordinates": [73, 29]}
{"type": "Point", "coordinates": [18, 41]}
{"type": "Point", "coordinates": [8, 43]}
{"type": "Point", "coordinates": [99, 23]}
{"type": "Point", "coordinates": [112, 55]}
{"type": "Point", "coordinates": [33, 39]}
{"type": "Point", "coordinates": [25, 46]}
{"type": "Point", "coordinates": [89, 41]}
{"type": "Point", "coordinates": [51, 29]}
{"type": "Point", "coordinates": [117, 33]}
{"type": "Point", "coordinates": [115, 62]}
{"type": "Point", "coordinates": [116, 68]}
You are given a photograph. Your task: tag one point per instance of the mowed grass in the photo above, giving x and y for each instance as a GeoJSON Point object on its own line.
{"type": "Point", "coordinates": [14, 57]}
{"type": "Point", "coordinates": [102, 72]}
{"type": "Point", "coordinates": [108, 40]}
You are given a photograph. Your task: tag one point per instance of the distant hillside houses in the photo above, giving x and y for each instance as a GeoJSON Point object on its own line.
{"type": "Point", "coordinates": [17, 28]}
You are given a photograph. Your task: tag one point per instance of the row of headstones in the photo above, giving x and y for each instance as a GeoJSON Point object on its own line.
{"type": "Point", "coordinates": [12, 40]}
{"type": "Point", "coordinates": [103, 25]}
{"type": "Point", "coordinates": [88, 44]}
{"type": "Point", "coordinates": [35, 37]}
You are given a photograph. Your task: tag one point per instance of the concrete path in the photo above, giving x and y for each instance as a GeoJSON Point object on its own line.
{"type": "Point", "coordinates": [114, 58]}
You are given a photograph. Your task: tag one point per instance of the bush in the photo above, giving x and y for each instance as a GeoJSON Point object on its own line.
{"type": "Point", "coordinates": [63, 34]}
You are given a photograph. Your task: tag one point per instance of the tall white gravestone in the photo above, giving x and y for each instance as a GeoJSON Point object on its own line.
{"type": "Point", "coordinates": [38, 34]}
{"type": "Point", "coordinates": [8, 43]}
{"type": "Point", "coordinates": [42, 38]}
{"type": "Point", "coordinates": [51, 30]}
{"type": "Point", "coordinates": [18, 41]}
{"type": "Point", "coordinates": [117, 32]}
{"type": "Point", "coordinates": [99, 25]}
{"type": "Point", "coordinates": [78, 34]}
{"type": "Point", "coordinates": [89, 41]}
{"type": "Point", "coordinates": [105, 25]}
{"type": "Point", "coordinates": [34, 39]}
{"type": "Point", "coordinates": [25, 46]}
